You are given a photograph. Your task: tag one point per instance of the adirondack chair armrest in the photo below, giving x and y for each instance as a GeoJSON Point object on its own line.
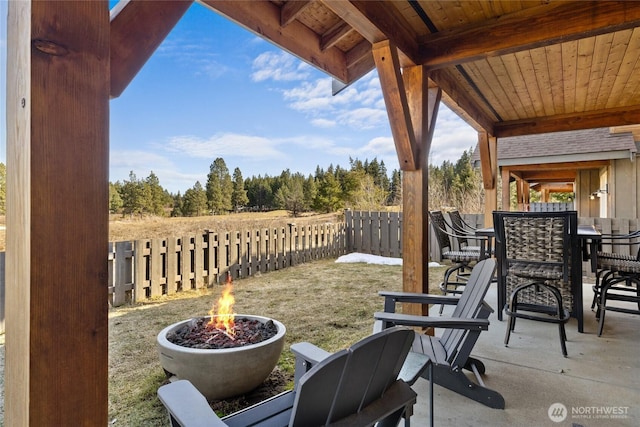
{"type": "Point", "coordinates": [186, 406]}
{"type": "Point", "coordinates": [307, 356]}
{"type": "Point", "coordinates": [393, 319]}
{"type": "Point", "coordinates": [391, 298]}
{"type": "Point", "coordinates": [309, 352]}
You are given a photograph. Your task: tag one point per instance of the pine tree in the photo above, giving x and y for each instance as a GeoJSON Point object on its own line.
{"type": "Point", "coordinates": [194, 202]}
{"type": "Point", "coordinates": [239, 197]}
{"type": "Point", "coordinates": [219, 187]}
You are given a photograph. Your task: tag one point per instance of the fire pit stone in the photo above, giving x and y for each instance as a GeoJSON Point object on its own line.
{"type": "Point", "coordinates": [224, 372]}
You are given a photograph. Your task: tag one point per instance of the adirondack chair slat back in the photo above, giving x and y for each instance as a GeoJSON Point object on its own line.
{"type": "Point", "coordinates": [469, 305]}
{"type": "Point", "coordinates": [316, 390]}
{"type": "Point", "coordinates": [372, 365]}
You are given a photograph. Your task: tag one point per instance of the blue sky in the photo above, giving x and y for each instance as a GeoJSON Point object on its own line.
{"type": "Point", "coordinates": [213, 89]}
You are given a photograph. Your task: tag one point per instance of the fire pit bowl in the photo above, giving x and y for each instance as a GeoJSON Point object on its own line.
{"type": "Point", "coordinates": [224, 372]}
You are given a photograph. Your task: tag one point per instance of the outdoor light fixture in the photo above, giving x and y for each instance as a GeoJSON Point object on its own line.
{"type": "Point", "coordinates": [598, 193]}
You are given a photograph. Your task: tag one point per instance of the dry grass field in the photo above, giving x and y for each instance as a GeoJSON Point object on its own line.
{"type": "Point", "coordinates": [132, 228]}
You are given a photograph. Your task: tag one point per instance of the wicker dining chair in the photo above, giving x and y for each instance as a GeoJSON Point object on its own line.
{"type": "Point", "coordinates": [460, 259]}
{"type": "Point", "coordinates": [617, 277]}
{"type": "Point", "coordinates": [535, 261]}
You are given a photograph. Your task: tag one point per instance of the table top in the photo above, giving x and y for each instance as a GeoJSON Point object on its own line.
{"type": "Point", "coordinates": [584, 231]}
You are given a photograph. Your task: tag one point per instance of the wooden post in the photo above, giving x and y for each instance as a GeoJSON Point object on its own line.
{"type": "Point", "coordinates": [488, 147]}
{"type": "Point", "coordinates": [56, 368]}
{"type": "Point", "coordinates": [412, 108]}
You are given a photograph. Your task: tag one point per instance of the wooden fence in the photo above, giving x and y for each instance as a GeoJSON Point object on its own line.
{"type": "Point", "coordinates": [379, 233]}
{"type": "Point", "coordinates": [148, 268]}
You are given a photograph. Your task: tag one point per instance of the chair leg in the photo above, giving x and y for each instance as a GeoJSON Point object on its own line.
{"type": "Point", "coordinates": [563, 339]}
{"type": "Point", "coordinates": [602, 307]}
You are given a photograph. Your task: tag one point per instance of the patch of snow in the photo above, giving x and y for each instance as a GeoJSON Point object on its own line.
{"type": "Point", "coordinates": [374, 259]}
{"type": "Point", "coordinates": [369, 259]}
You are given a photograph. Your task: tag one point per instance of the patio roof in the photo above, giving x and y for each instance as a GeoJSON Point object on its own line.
{"type": "Point", "coordinates": [507, 67]}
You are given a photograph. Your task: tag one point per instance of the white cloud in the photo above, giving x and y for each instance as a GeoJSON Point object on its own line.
{"type": "Point", "coordinates": [225, 144]}
{"type": "Point", "coordinates": [278, 66]}
{"type": "Point", "coordinates": [323, 123]}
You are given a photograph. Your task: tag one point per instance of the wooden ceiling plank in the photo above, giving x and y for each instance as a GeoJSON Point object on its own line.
{"type": "Point", "coordinates": [387, 62]}
{"type": "Point", "coordinates": [631, 85]}
{"type": "Point", "coordinates": [334, 35]}
{"type": "Point", "coordinates": [291, 10]}
{"type": "Point", "coordinates": [263, 19]}
{"type": "Point", "coordinates": [569, 76]}
{"type": "Point", "coordinates": [132, 44]}
{"type": "Point", "coordinates": [554, 65]}
{"type": "Point", "coordinates": [619, 45]}
{"type": "Point", "coordinates": [630, 62]}
{"type": "Point", "coordinates": [377, 21]}
{"type": "Point", "coordinates": [513, 73]}
{"type": "Point", "coordinates": [541, 74]}
{"type": "Point", "coordinates": [598, 68]}
{"type": "Point", "coordinates": [619, 116]}
{"type": "Point", "coordinates": [527, 29]}
{"type": "Point", "coordinates": [585, 58]}
{"type": "Point", "coordinates": [484, 75]}
{"type": "Point", "coordinates": [525, 63]}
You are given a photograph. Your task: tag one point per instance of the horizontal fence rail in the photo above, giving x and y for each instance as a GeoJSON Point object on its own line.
{"type": "Point", "coordinates": [150, 268]}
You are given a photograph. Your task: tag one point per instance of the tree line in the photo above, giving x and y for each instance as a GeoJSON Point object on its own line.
{"type": "Point", "coordinates": [364, 185]}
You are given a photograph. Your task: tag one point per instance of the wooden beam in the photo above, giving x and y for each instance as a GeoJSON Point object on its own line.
{"type": "Point", "coordinates": [138, 27]}
{"type": "Point", "coordinates": [619, 116]}
{"type": "Point", "coordinates": [359, 60]}
{"type": "Point", "coordinates": [529, 28]}
{"type": "Point", "coordinates": [56, 371]}
{"type": "Point", "coordinates": [461, 103]}
{"type": "Point", "coordinates": [263, 19]}
{"type": "Point", "coordinates": [395, 98]}
{"type": "Point", "coordinates": [487, 160]}
{"type": "Point", "coordinates": [376, 21]}
{"type": "Point", "coordinates": [334, 34]}
{"type": "Point", "coordinates": [591, 164]}
{"type": "Point", "coordinates": [291, 10]}
{"type": "Point", "coordinates": [556, 175]}
{"type": "Point", "coordinates": [506, 191]}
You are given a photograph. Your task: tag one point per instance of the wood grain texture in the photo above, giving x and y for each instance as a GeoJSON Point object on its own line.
{"type": "Point", "coordinates": [61, 191]}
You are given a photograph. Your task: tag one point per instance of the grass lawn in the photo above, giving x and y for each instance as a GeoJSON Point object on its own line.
{"type": "Point", "coordinates": [328, 304]}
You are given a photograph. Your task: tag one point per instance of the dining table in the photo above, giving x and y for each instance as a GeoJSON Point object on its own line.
{"type": "Point", "coordinates": [588, 237]}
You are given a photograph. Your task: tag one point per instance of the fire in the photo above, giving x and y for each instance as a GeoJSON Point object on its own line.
{"type": "Point", "coordinates": [224, 318]}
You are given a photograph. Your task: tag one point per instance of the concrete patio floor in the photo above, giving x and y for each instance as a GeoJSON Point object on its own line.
{"type": "Point", "coordinates": [599, 378]}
